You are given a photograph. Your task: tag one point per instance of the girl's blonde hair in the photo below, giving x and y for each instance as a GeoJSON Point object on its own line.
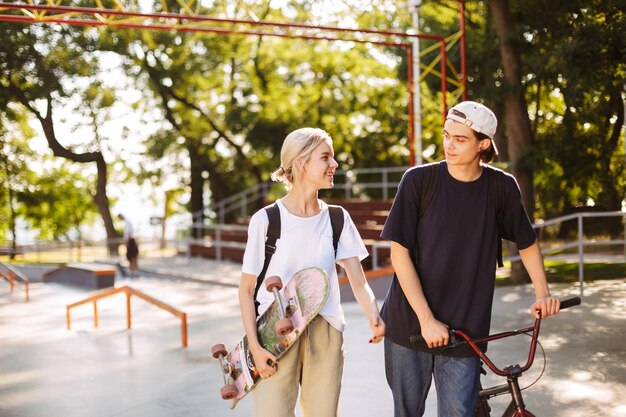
{"type": "Point", "coordinates": [299, 144]}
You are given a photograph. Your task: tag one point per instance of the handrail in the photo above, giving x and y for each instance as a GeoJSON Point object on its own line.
{"type": "Point", "coordinates": [129, 291]}
{"type": "Point", "coordinates": [9, 273]}
{"type": "Point", "coordinates": [579, 243]}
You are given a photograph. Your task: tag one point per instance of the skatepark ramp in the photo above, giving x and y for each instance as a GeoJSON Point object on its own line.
{"type": "Point", "coordinates": [83, 274]}
{"type": "Point", "coordinates": [129, 291]}
{"type": "Point", "coordinates": [14, 277]}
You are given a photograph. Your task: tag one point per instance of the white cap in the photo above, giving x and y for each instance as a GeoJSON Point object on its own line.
{"type": "Point", "coordinates": [476, 116]}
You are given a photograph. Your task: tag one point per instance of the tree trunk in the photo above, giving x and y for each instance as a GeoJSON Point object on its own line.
{"type": "Point", "coordinates": [100, 198]}
{"type": "Point", "coordinates": [197, 189]}
{"type": "Point", "coordinates": [517, 121]}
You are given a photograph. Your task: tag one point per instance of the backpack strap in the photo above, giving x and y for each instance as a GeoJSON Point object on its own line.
{"type": "Point", "coordinates": [497, 188]}
{"type": "Point", "coordinates": [428, 186]}
{"type": "Point", "coordinates": [273, 233]}
{"type": "Point", "coordinates": [427, 190]}
{"type": "Point", "coordinates": [336, 222]}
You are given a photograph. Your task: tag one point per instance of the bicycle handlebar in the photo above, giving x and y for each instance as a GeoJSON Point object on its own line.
{"type": "Point", "coordinates": [464, 338]}
{"type": "Point", "coordinates": [570, 302]}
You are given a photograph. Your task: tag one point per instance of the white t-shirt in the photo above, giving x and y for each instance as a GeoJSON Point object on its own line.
{"type": "Point", "coordinates": [129, 232]}
{"type": "Point", "coordinates": [304, 242]}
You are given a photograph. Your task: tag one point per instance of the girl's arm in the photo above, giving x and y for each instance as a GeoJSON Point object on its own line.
{"type": "Point", "coordinates": [248, 316]}
{"type": "Point", "coordinates": [364, 296]}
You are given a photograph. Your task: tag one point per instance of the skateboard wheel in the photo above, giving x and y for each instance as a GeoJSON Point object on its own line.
{"type": "Point", "coordinates": [228, 392]}
{"type": "Point", "coordinates": [218, 350]}
{"type": "Point", "coordinates": [284, 326]}
{"type": "Point", "coordinates": [273, 281]}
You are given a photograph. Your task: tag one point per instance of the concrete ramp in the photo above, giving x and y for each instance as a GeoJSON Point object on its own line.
{"type": "Point", "coordinates": [85, 275]}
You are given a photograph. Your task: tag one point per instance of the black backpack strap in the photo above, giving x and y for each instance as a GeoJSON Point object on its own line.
{"type": "Point", "coordinates": [498, 191]}
{"type": "Point", "coordinates": [273, 233]}
{"type": "Point", "coordinates": [427, 190]}
{"type": "Point", "coordinates": [428, 186]}
{"type": "Point", "coordinates": [336, 222]}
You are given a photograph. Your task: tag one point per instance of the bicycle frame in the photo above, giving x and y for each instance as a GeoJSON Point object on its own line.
{"type": "Point", "coordinates": [516, 408]}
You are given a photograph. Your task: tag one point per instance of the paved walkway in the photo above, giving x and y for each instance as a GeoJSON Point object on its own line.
{"type": "Point", "coordinates": [46, 370]}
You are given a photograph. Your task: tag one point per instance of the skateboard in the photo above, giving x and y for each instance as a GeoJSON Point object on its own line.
{"type": "Point", "coordinates": [294, 307]}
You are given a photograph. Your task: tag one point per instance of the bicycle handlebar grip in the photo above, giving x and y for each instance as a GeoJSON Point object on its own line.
{"type": "Point", "coordinates": [570, 302]}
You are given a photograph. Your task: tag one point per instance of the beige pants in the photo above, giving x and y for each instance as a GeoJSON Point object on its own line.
{"type": "Point", "coordinates": [315, 365]}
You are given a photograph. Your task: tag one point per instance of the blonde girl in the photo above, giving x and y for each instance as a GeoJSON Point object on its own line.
{"type": "Point", "coordinates": [313, 367]}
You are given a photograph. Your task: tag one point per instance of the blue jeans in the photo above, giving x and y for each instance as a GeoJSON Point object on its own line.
{"type": "Point", "coordinates": [409, 375]}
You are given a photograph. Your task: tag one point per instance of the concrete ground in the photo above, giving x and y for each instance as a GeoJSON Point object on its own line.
{"type": "Point", "coordinates": [46, 370]}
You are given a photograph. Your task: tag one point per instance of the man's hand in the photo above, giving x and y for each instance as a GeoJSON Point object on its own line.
{"type": "Point", "coordinates": [435, 333]}
{"type": "Point", "coordinates": [545, 307]}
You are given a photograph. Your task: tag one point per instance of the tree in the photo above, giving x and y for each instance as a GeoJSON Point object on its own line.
{"type": "Point", "coordinates": [39, 67]}
{"type": "Point", "coordinates": [58, 204]}
{"type": "Point", "coordinates": [15, 174]}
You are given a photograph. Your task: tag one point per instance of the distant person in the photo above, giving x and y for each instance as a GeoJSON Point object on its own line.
{"type": "Point", "coordinates": [313, 366]}
{"type": "Point", "coordinates": [132, 249]}
{"type": "Point", "coordinates": [444, 250]}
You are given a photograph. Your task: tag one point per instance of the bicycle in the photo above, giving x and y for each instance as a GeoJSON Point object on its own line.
{"type": "Point", "coordinates": [516, 407]}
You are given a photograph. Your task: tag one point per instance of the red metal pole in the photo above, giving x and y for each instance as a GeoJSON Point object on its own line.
{"type": "Point", "coordinates": [409, 58]}
{"type": "Point", "coordinates": [463, 63]}
{"type": "Point", "coordinates": [444, 83]}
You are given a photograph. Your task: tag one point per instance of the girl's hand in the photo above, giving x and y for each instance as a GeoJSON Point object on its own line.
{"type": "Point", "coordinates": [262, 360]}
{"type": "Point", "coordinates": [378, 329]}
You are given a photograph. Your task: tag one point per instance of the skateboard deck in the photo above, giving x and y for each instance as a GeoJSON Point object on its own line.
{"type": "Point", "coordinates": [303, 296]}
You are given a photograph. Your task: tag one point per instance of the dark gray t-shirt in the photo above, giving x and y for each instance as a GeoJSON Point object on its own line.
{"type": "Point", "coordinates": [454, 247]}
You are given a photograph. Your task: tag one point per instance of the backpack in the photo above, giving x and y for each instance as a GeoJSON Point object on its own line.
{"type": "Point", "coordinates": [273, 233]}
{"type": "Point", "coordinates": [497, 188]}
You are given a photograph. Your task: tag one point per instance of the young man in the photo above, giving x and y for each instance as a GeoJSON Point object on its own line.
{"type": "Point", "coordinates": [445, 260]}
{"type": "Point", "coordinates": [132, 249]}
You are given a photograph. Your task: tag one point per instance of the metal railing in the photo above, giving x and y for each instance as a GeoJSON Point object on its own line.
{"type": "Point", "coordinates": [15, 277]}
{"type": "Point", "coordinates": [55, 252]}
{"type": "Point", "coordinates": [347, 180]}
{"type": "Point", "coordinates": [579, 243]}
{"type": "Point", "coordinates": [352, 184]}
{"type": "Point", "coordinates": [129, 291]}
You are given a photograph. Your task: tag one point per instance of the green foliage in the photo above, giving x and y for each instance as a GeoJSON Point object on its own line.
{"type": "Point", "coordinates": [15, 174]}
{"type": "Point", "coordinates": [576, 79]}
{"type": "Point", "coordinates": [224, 104]}
{"type": "Point", "coordinates": [58, 204]}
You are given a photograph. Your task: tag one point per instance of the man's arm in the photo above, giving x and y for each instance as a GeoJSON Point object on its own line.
{"type": "Point", "coordinates": [533, 262]}
{"type": "Point", "coordinates": [434, 332]}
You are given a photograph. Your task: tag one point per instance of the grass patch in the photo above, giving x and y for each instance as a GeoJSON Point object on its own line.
{"type": "Point", "coordinates": [567, 272]}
